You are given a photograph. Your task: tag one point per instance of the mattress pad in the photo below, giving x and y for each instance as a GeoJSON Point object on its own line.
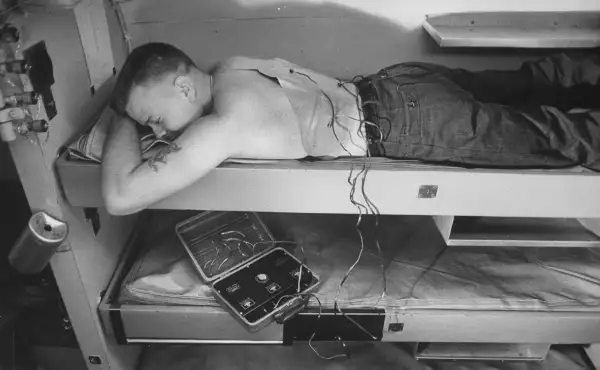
{"type": "Point", "coordinates": [421, 272]}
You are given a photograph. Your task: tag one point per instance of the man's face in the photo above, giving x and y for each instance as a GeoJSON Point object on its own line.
{"type": "Point", "coordinates": [166, 105]}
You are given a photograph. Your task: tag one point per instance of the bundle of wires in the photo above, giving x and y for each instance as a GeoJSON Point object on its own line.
{"type": "Point", "coordinates": [355, 179]}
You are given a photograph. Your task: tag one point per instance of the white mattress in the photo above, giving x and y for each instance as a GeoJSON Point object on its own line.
{"type": "Point", "coordinates": [420, 271]}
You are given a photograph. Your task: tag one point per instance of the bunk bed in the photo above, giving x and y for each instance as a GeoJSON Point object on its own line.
{"type": "Point", "coordinates": [553, 298]}
{"type": "Point", "coordinates": [527, 297]}
{"type": "Point", "coordinates": [438, 221]}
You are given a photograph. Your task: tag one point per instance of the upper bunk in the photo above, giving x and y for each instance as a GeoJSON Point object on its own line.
{"type": "Point", "coordinates": [560, 30]}
{"type": "Point", "coordinates": [395, 187]}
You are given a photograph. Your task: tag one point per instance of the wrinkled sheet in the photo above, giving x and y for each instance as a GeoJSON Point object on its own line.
{"type": "Point", "coordinates": [372, 356]}
{"type": "Point", "coordinates": [421, 272]}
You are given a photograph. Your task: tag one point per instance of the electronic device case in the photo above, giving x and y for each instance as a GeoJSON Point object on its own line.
{"type": "Point", "coordinates": [253, 279]}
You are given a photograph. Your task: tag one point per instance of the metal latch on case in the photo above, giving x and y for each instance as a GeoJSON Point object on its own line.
{"type": "Point", "coordinates": [295, 307]}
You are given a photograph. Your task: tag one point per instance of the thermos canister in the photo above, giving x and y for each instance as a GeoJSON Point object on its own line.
{"type": "Point", "coordinates": [37, 243]}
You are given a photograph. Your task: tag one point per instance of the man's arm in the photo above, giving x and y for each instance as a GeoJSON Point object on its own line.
{"type": "Point", "coordinates": [130, 184]}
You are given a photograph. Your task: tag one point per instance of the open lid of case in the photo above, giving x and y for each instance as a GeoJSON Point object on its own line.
{"type": "Point", "coordinates": [220, 242]}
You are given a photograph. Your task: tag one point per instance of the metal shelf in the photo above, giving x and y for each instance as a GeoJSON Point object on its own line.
{"type": "Point", "coordinates": [515, 29]}
{"type": "Point", "coordinates": [515, 232]}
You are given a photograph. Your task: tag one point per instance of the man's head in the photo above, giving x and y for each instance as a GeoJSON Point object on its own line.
{"type": "Point", "coordinates": [160, 86]}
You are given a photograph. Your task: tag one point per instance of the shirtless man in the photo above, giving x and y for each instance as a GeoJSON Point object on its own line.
{"type": "Point", "coordinates": [273, 109]}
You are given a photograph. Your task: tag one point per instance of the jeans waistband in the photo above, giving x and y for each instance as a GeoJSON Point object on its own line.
{"type": "Point", "coordinates": [369, 101]}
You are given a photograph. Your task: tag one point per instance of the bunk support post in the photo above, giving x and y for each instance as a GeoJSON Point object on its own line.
{"type": "Point", "coordinates": [83, 265]}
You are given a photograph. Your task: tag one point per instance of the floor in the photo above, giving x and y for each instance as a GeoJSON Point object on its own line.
{"type": "Point", "coordinates": [370, 356]}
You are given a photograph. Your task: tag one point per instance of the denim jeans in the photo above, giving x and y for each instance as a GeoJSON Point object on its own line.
{"type": "Point", "coordinates": [525, 118]}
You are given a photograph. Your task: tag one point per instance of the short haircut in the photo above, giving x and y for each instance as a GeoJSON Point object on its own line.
{"type": "Point", "coordinates": [147, 63]}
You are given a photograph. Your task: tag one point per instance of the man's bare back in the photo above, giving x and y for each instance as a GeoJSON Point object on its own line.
{"type": "Point", "coordinates": [271, 118]}
{"type": "Point", "coordinates": [260, 117]}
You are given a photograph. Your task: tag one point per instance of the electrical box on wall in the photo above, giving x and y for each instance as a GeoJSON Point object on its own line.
{"type": "Point", "coordinates": [41, 75]}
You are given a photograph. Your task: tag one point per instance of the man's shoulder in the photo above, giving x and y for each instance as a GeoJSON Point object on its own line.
{"type": "Point", "coordinates": [237, 62]}
{"type": "Point", "coordinates": [237, 91]}
{"type": "Point", "coordinates": [240, 62]}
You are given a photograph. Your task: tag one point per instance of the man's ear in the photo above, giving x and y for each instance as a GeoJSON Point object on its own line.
{"type": "Point", "coordinates": [185, 87]}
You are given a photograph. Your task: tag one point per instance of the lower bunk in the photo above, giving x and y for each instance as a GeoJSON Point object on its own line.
{"type": "Point", "coordinates": [416, 290]}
